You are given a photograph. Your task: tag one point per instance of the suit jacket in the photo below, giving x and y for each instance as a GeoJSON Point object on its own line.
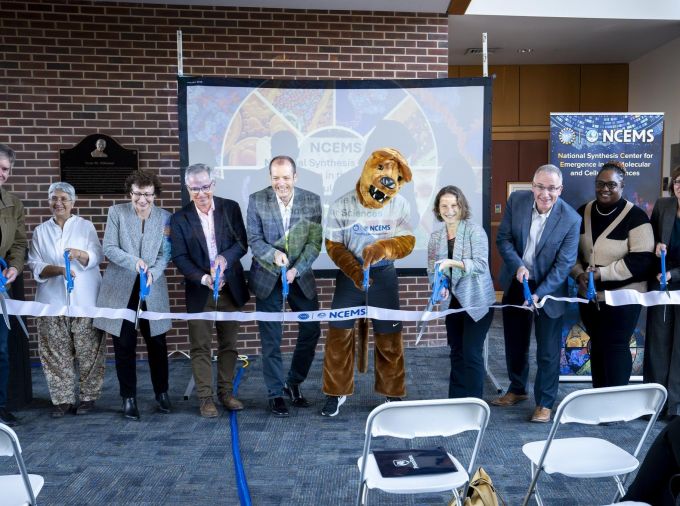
{"type": "Point", "coordinates": [190, 251]}
{"type": "Point", "coordinates": [663, 220]}
{"type": "Point", "coordinates": [471, 286]}
{"type": "Point", "coordinates": [124, 244]}
{"type": "Point", "coordinates": [555, 252]}
{"type": "Point", "coordinates": [13, 244]}
{"type": "Point", "coordinates": [266, 235]}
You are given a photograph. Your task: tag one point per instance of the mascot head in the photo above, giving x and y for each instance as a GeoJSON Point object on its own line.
{"type": "Point", "coordinates": [385, 172]}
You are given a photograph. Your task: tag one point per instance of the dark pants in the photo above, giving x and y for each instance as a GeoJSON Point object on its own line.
{"type": "Point", "coordinates": [4, 362]}
{"type": "Point", "coordinates": [517, 332]}
{"type": "Point", "coordinates": [125, 349]}
{"type": "Point", "coordinates": [662, 352]}
{"type": "Point", "coordinates": [271, 334]}
{"type": "Point", "coordinates": [466, 339]}
{"type": "Point", "coordinates": [610, 330]}
{"type": "Point", "coordinates": [200, 337]}
{"type": "Point", "coordinates": [651, 484]}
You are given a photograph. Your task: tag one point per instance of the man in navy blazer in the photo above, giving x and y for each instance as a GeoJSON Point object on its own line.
{"type": "Point", "coordinates": [538, 240]}
{"type": "Point", "coordinates": [284, 229]}
{"type": "Point", "coordinates": [207, 233]}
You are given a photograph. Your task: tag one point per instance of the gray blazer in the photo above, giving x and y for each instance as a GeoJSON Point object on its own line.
{"type": "Point", "coordinates": [266, 234]}
{"type": "Point", "coordinates": [663, 220]}
{"type": "Point", "coordinates": [472, 286]}
{"type": "Point", "coordinates": [555, 252]}
{"type": "Point", "coordinates": [124, 245]}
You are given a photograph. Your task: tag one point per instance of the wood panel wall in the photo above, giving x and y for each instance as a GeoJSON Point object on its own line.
{"type": "Point", "coordinates": [523, 98]}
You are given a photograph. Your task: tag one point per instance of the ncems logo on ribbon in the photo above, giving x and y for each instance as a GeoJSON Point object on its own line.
{"type": "Point", "coordinates": [303, 316]}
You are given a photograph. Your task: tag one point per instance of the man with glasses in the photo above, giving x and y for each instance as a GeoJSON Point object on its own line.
{"type": "Point", "coordinates": [538, 241]}
{"type": "Point", "coordinates": [284, 230]}
{"type": "Point", "coordinates": [206, 234]}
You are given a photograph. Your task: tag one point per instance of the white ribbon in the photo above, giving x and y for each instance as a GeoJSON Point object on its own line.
{"type": "Point", "coordinates": [615, 298]}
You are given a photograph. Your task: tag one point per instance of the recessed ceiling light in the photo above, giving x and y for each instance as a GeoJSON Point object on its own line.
{"type": "Point", "coordinates": [525, 50]}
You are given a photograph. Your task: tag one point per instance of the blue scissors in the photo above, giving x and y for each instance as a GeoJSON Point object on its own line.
{"type": "Point", "coordinates": [144, 291]}
{"type": "Point", "coordinates": [591, 293]}
{"type": "Point", "coordinates": [3, 297]}
{"type": "Point", "coordinates": [69, 285]}
{"type": "Point", "coordinates": [439, 282]}
{"type": "Point", "coordinates": [527, 294]}
{"type": "Point", "coordinates": [216, 291]}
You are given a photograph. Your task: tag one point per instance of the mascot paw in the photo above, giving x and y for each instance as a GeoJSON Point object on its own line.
{"type": "Point", "coordinates": [373, 253]}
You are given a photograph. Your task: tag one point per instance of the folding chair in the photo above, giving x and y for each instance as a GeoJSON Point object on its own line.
{"type": "Point", "coordinates": [427, 418]}
{"type": "Point", "coordinates": [588, 457]}
{"type": "Point", "coordinates": [17, 488]}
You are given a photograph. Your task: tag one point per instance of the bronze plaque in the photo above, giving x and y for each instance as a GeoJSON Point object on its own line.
{"type": "Point", "coordinates": [97, 164]}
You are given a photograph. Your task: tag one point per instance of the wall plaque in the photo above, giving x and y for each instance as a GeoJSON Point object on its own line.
{"type": "Point", "coordinates": [97, 164]}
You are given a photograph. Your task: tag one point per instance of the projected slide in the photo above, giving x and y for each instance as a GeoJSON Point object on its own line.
{"type": "Point", "coordinates": [441, 126]}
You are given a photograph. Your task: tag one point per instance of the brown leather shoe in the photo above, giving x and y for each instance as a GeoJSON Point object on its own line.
{"type": "Point", "coordinates": [509, 399]}
{"type": "Point", "coordinates": [208, 409]}
{"type": "Point", "coordinates": [541, 415]}
{"type": "Point", "coordinates": [231, 403]}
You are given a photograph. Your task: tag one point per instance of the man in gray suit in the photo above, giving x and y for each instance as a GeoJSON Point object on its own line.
{"type": "Point", "coordinates": [538, 240]}
{"type": "Point", "coordinates": [284, 229]}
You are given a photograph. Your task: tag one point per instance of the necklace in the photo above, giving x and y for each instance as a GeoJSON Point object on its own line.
{"type": "Point", "coordinates": [604, 214]}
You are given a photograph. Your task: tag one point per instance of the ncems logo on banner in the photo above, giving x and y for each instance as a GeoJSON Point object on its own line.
{"type": "Point", "coordinates": [623, 136]}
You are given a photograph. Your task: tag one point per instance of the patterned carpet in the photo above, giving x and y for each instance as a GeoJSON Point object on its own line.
{"type": "Point", "coordinates": [302, 460]}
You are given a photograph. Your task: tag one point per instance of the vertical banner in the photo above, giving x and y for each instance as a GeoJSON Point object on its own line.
{"type": "Point", "coordinates": [579, 144]}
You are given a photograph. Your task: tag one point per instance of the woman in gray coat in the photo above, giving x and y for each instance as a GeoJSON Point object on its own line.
{"type": "Point", "coordinates": [135, 240]}
{"type": "Point", "coordinates": [462, 248]}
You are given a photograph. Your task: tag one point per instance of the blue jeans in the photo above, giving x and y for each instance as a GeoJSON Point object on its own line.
{"type": "Point", "coordinates": [272, 332]}
{"type": "Point", "coordinates": [4, 363]}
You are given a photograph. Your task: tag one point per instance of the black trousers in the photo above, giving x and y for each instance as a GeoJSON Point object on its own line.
{"type": "Point", "coordinates": [466, 339]}
{"type": "Point", "coordinates": [662, 462]}
{"type": "Point", "coordinates": [610, 330]}
{"type": "Point", "coordinates": [125, 349]}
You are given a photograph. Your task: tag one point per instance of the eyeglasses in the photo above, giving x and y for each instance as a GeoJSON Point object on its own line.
{"type": "Point", "coordinates": [147, 195]}
{"type": "Point", "coordinates": [61, 200]}
{"type": "Point", "coordinates": [611, 185]}
{"type": "Point", "coordinates": [676, 182]}
{"type": "Point", "coordinates": [198, 189]}
{"type": "Point", "coordinates": [549, 189]}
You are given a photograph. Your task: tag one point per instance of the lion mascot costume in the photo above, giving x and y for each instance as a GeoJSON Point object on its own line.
{"type": "Point", "coordinates": [368, 227]}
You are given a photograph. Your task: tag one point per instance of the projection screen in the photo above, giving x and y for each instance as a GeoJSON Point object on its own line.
{"type": "Point", "coordinates": [441, 126]}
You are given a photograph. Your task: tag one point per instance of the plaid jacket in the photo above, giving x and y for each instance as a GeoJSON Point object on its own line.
{"type": "Point", "coordinates": [266, 234]}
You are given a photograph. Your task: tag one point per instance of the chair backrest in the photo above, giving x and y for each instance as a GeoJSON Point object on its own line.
{"type": "Point", "coordinates": [9, 442]}
{"type": "Point", "coordinates": [611, 404]}
{"type": "Point", "coordinates": [436, 417]}
{"type": "Point", "coordinates": [9, 445]}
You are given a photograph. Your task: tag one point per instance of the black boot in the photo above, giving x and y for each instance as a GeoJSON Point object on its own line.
{"type": "Point", "coordinates": [164, 405]}
{"type": "Point", "coordinates": [130, 410]}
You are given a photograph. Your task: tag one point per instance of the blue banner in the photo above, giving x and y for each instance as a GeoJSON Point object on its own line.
{"type": "Point", "coordinates": [580, 143]}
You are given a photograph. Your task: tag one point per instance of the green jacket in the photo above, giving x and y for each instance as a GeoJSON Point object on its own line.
{"type": "Point", "coordinates": [13, 245]}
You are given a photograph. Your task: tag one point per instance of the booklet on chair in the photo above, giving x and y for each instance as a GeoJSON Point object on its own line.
{"type": "Point", "coordinates": [395, 463]}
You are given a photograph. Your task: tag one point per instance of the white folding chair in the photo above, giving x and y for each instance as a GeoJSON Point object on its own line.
{"type": "Point", "coordinates": [17, 489]}
{"type": "Point", "coordinates": [588, 457]}
{"type": "Point", "coordinates": [427, 418]}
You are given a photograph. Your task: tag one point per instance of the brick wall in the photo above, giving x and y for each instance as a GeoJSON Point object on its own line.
{"type": "Point", "coordinates": [72, 69]}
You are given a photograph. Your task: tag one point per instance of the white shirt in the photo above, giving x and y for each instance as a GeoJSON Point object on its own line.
{"type": "Point", "coordinates": [47, 248]}
{"type": "Point", "coordinates": [538, 221]}
{"type": "Point", "coordinates": [208, 225]}
{"type": "Point", "coordinates": [286, 211]}
{"type": "Point", "coordinates": [356, 226]}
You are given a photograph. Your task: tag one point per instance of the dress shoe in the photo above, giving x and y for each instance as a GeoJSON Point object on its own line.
{"type": "Point", "coordinates": [208, 409]}
{"type": "Point", "coordinates": [164, 405]}
{"type": "Point", "coordinates": [541, 415]}
{"type": "Point", "coordinates": [509, 399]}
{"type": "Point", "coordinates": [295, 395]}
{"type": "Point", "coordinates": [60, 410]}
{"type": "Point", "coordinates": [230, 402]}
{"type": "Point", "coordinates": [8, 418]}
{"type": "Point", "coordinates": [392, 399]}
{"type": "Point", "coordinates": [278, 407]}
{"type": "Point", "coordinates": [130, 410]}
{"type": "Point", "coordinates": [85, 407]}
